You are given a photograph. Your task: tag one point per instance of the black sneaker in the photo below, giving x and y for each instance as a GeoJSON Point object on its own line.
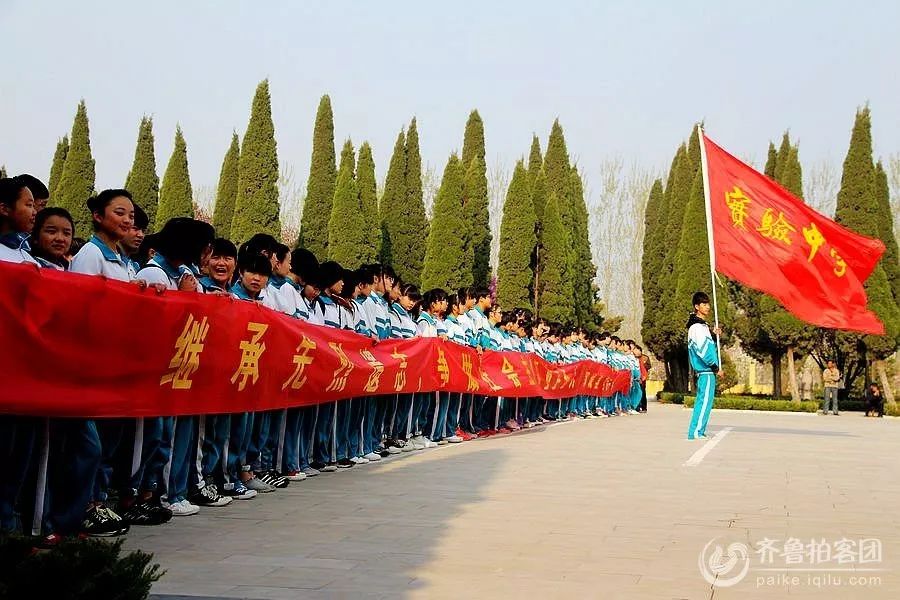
{"type": "Point", "coordinates": [208, 495]}
{"type": "Point", "coordinates": [100, 521]}
{"type": "Point", "coordinates": [146, 513]}
{"type": "Point", "coordinates": [318, 466]}
{"type": "Point", "coordinates": [274, 480]}
{"type": "Point", "coordinates": [345, 463]}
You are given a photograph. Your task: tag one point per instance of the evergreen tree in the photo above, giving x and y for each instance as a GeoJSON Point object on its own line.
{"type": "Point", "coordinates": [783, 157]}
{"type": "Point", "coordinates": [3, 171]}
{"type": "Point", "coordinates": [347, 226]}
{"type": "Point", "coordinates": [477, 220]}
{"type": "Point", "coordinates": [176, 197]}
{"type": "Point", "coordinates": [556, 167]}
{"type": "Point", "coordinates": [76, 184]}
{"type": "Point", "coordinates": [59, 162]}
{"type": "Point", "coordinates": [650, 257]}
{"type": "Point", "coordinates": [555, 289]}
{"type": "Point", "coordinates": [408, 227]}
{"type": "Point", "coordinates": [791, 174]}
{"type": "Point", "coordinates": [539, 195]}
{"type": "Point", "coordinates": [515, 277]}
{"type": "Point", "coordinates": [858, 209]}
{"type": "Point", "coordinates": [226, 192]}
{"type": "Point", "coordinates": [256, 204]}
{"type": "Point", "coordinates": [535, 159]}
{"type": "Point", "coordinates": [320, 186]}
{"type": "Point", "coordinates": [142, 180]}
{"type": "Point", "coordinates": [393, 199]}
{"type": "Point", "coordinates": [771, 161]}
{"type": "Point", "coordinates": [890, 261]}
{"type": "Point", "coordinates": [473, 141]}
{"type": "Point", "coordinates": [448, 259]}
{"type": "Point", "coordinates": [365, 180]}
{"type": "Point", "coordinates": [583, 270]}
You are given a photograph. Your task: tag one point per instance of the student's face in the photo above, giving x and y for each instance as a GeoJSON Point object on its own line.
{"type": "Point", "coordinates": [442, 306]}
{"type": "Point", "coordinates": [337, 287]}
{"type": "Point", "coordinates": [470, 303]}
{"type": "Point", "coordinates": [21, 214]}
{"type": "Point", "coordinates": [605, 342]}
{"type": "Point", "coordinates": [254, 282]}
{"type": "Point", "coordinates": [395, 293]}
{"type": "Point", "coordinates": [387, 282]}
{"type": "Point", "coordinates": [365, 289]}
{"type": "Point", "coordinates": [281, 267]}
{"type": "Point", "coordinates": [637, 352]}
{"type": "Point", "coordinates": [132, 242]}
{"type": "Point", "coordinates": [310, 292]}
{"type": "Point", "coordinates": [55, 237]}
{"type": "Point", "coordinates": [221, 268]}
{"type": "Point", "coordinates": [407, 303]}
{"type": "Point", "coordinates": [830, 364]}
{"type": "Point", "coordinates": [703, 309]}
{"type": "Point", "coordinates": [117, 218]}
{"type": "Point", "coordinates": [485, 303]}
{"type": "Point", "coordinates": [494, 316]}
{"type": "Point", "coordinates": [40, 204]}
{"type": "Point", "coordinates": [458, 309]}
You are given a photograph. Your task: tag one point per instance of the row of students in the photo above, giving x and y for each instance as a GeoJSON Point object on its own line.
{"type": "Point", "coordinates": [106, 475]}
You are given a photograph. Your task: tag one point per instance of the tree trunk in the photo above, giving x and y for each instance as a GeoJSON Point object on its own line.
{"type": "Point", "coordinates": [776, 374]}
{"type": "Point", "coordinates": [537, 275]}
{"type": "Point", "coordinates": [792, 374]}
{"type": "Point", "coordinates": [885, 382]}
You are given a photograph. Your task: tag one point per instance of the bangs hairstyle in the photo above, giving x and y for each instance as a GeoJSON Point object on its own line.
{"type": "Point", "coordinates": [37, 187]}
{"type": "Point", "coordinates": [255, 263]}
{"type": "Point", "coordinates": [305, 266]}
{"type": "Point", "coordinates": [141, 220]}
{"type": "Point", "coordinates": [53, 211]}
{"type": "Point", "coordinates": [412, 292]}
{"type": "Point", "coordinates": [184, 239]}
{"type": "Point", "coordinates": [433, 296]}
{"type": "Point", "coordinates": [224, 247]}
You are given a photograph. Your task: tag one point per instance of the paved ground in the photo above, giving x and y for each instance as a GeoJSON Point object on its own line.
{"type": "Point", "coordinates": [602, 508]}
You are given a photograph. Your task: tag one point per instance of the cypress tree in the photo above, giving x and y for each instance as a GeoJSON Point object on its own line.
{"type": "Point", "coordinates": [890, 262]}
{"type": "Point", "coordinates": [256, 203]}
{"type": "Point", "coordinates": [583, 271]}
{"type": "Point", "coordinates": [76, 184]}
{"type": "Point", "coordinates": [320, 186]}
{"type": "Point", "coordinates": [783, 156]}
{"type": "Point", "coordinates": [858, 209]}
{"type": "Point", "coordinates": [3, 171]}
{"type": "Point", "coordinates": [478, 221]}
{"type": "Point", "coordinates": [392, 200]}
{"type": "Point", "coordinates": [409, 227]}
{"type": "Point", "coordinates": [771, 161]}
{"type": "Point", "coordinates": [346, 228]}
{"type": "Point", "coordinates": [535, 159]}
{"type": "Point", "coordinates": [555, 289]}
{"type": "Point", "coordinates": [226, 191]}
{"type": "Point", "coordinates": [59, 161]}
{"type": "Point", "coordinates": [142, 180]}
{"type": "Point", "coordinates": [556, 167]}
{"type": "Point", "coordinates": [650, 257]}
{"type": "Point", "coordinates": [539, 194]}
{"type": "Point", "coordinates": [515, 277]}
{"type": "Point", "coordinates": [176, 197]}
{"type": "Point", "coordinates": [791, 174]}
{"type": "Point", "coordinates": [448, 259]}
{"type": "Point", "coordinates": [473, 140]}
{"type": "Point", "coordinates": [365, 180]}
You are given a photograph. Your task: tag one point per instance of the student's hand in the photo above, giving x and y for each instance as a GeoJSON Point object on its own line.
{"type": "Point", "coordinates": [140, 283]}
{"type": "Point", "coordinates": [444, 337]}
{"type": "Point", "coordinates": [217, 293]}
{"type": "Point", "coordinates": [187, 283]}
{"type": "Point", "coordinates": [479, 349]}
{"type": "Point", "coordinates": [717, 330]}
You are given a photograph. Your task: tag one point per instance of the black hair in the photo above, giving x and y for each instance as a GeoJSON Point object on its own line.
{"type": "Point", "coordinates": [330, 272]}
{"type": "Point", "coordinates": [46, 213]}
{"type": "Point", "coordinates": [480, 292]}
{"type": "Point", "coordinates": [602, 336]}
{"type": "Point", "coordinates": [508, 317]}
{"type": "Point", "coordinates": [366, 274]}
{"type": "Point", "coordinates": [452, 300]}
{"type": "Point", "coordinates": [37, 187]}
{"type": "Point", "coordinates": [141, 220]}
{"type": "Point", "coordinates": [305, 266]}
{"type": "Point", "coordinates": [615, 339]}
{"type": "Point", "coordinates": [98, 203]}
{"type": "Point", "coordinates": [432, 296]}
{"type": "Point", "coordinates": [183, 239]}
{"type": "Point", "coordinates": [255, 263]}
{"type": "Point", "coordinates": [638, 347]}
{"type": "Point", "coordinates": [350, 281]}
{"type": "Point", "coordinates": [699, 298]}
{"type": "Point", "coordinates": [224, 247]}
{"type": "Point", "coordinates": [388, 271]}
{"type": "Point", "coordinates": [465, 293]}
{"type": "Point", "coordinates": [280, 251]}
{"type": "Point", "coordinates": [260, 244]}
{"type": "Point", "coordinates": [77, 244]}
{"type": "Point", "coordinates": [10, 190]}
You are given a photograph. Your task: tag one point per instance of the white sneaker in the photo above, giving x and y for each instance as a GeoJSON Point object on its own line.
{"type": "Point", "coordinates": [310, 472]}
{"type": "Point", "coordinates": [297, 476]}
{"type": "Point", "coordinates": [372, 457]}
{"type": "Point", "coordinates": [430, 444]}
{"type": "Point", "coordinates": [454, 439]}
{"type": "Point", "coordinates": [418, 442]}
{"type": "Point", "coordinates": [359, 460]}
{"type": "Point", "coordinates": [409, 446]}
{"type": "Point", "coordinates": [182, 508]}
{"type": "Point", "coordinates": [394, 450]}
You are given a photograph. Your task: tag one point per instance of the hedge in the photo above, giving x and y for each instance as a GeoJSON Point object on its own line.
{"type": "Point", "coordinates": [755, 402]}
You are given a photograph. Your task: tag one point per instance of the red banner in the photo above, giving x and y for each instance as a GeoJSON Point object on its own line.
{"type": "Point", "coordinates": [772, 241]}
{"type": "Point", "coordinates": [75, 345]}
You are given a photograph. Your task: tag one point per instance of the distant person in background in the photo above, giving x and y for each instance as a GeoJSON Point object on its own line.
{"type": "Point", "coordinates": [831, 377]}
{"type": "Point", "coordinates": [874, 401]}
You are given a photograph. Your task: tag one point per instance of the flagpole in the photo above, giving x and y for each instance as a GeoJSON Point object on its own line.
{"type": "Point", "coordinates": [709, 237]}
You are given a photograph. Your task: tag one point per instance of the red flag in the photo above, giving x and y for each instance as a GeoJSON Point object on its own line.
{"type": "Point", "coordinates": [770, 240]}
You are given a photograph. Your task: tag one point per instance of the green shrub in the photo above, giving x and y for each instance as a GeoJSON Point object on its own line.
{"type": "Point", "coordinates": [670, 398]}
{"type": "Point", "coordinates": [751, 403]}
{"type": "Point", "coordinates": [74, 570]}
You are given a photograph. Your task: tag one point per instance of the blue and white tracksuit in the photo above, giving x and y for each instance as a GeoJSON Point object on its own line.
{"type": "Point", "coordinates": [704, 361]}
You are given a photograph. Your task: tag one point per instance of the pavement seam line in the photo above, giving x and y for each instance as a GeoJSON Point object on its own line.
{"type": "Point", "coordinates": [701, 453]}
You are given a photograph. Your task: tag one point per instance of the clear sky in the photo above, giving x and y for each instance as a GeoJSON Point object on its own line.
{"type": "Point", "coordinates": [625, 78]}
